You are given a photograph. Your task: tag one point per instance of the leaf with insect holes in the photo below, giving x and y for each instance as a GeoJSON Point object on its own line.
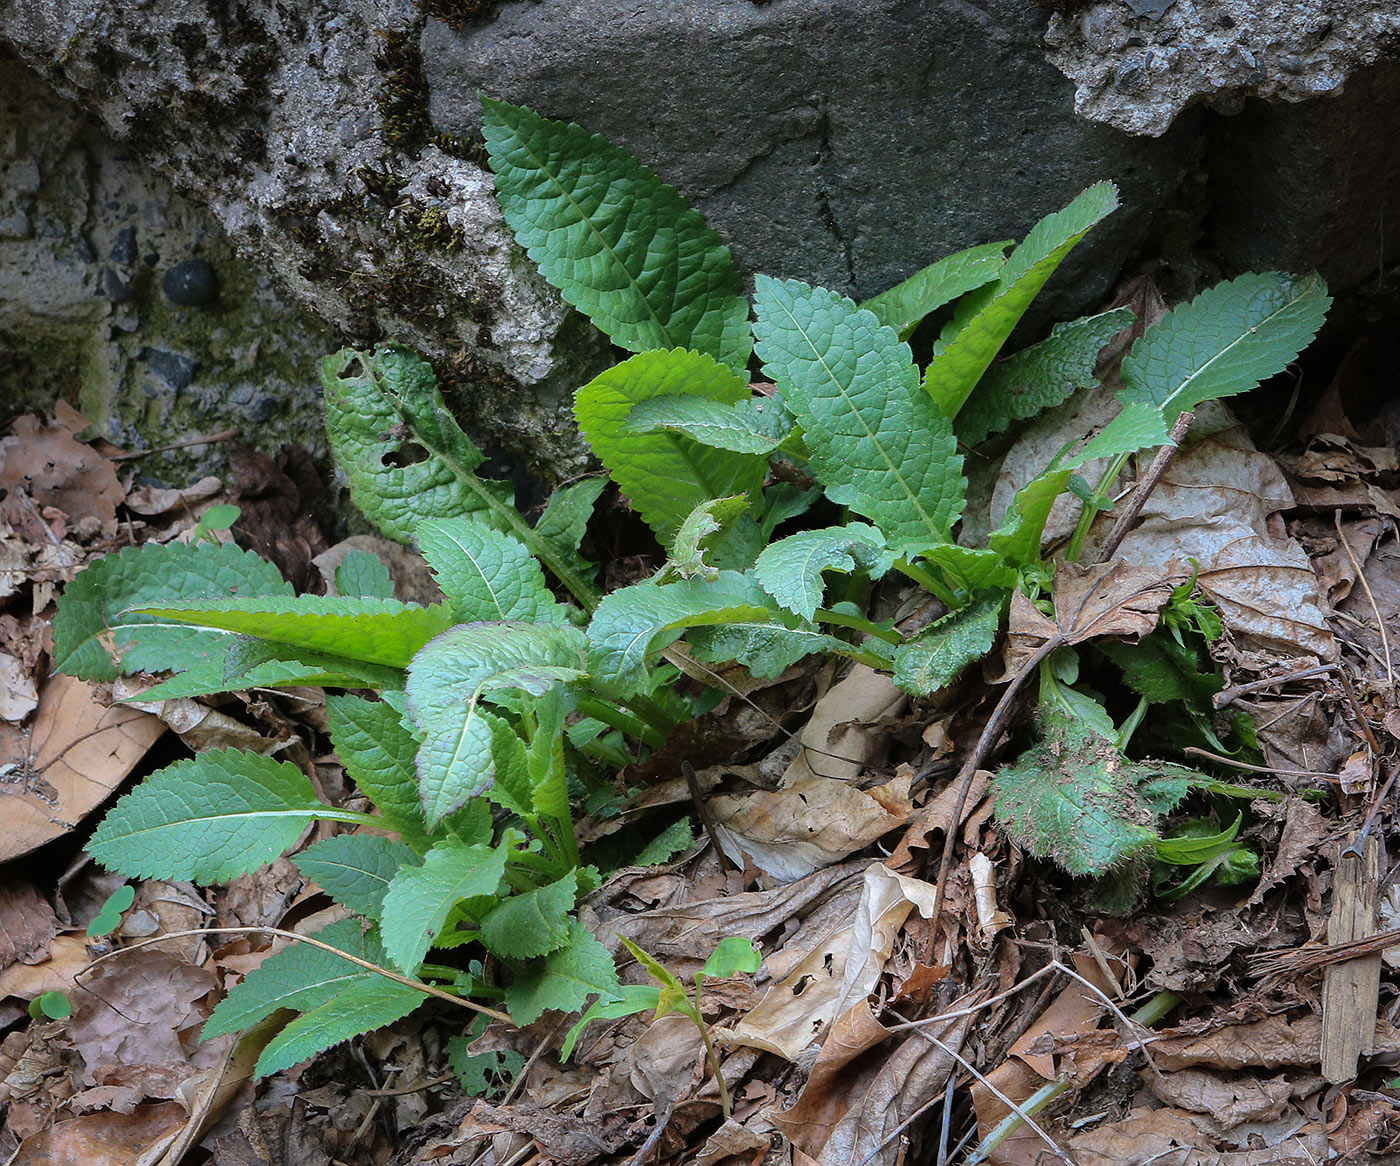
{"type": "Point", "coordinates": [355, 869]}
{"type": "Point", "coordinates": [564, 979]}
{"type": "Point", "coordinates": [878, 445]}
{"type": "Point", "coordinates": [1039, 377]}
{"type": "Point", "coordinates": [96, 608]}
{"type": "Point", "coordinates": [485, 574]}
{"type": "Point", "coordinates": [619, 244]}
{"type": "Point", "coordinates": [446, 683]}
{"type": "Point", "coordinates": [378, 752]}
{"type": "Point", "coordinates": [420, 898]}
{"type": "Point", "coordinates": [209, 818]}
{"type": "Point", "coordinates": [665, 474]}
{"type": "Point", "coordinates": [791, 568]}
{"type": "Point", "coordinates": [986, 317]}
{"type": "Point", "coordinates": [932, 659]}
{"type": "Point", "coordinates": [927, 290]}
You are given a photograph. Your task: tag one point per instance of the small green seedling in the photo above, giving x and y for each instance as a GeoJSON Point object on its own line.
{"type": "Point", "coordinates": [109, 918]}
{"type": "Point", "coordinates": [51, 1006]}
{"type": "Point", "coordinates": [733, 955]}
{"type": "Point", "coordinates": [214, 520]}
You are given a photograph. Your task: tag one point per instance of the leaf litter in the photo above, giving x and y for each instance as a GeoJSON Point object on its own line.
{"type": "Point", "coordinates": [880, 1027]}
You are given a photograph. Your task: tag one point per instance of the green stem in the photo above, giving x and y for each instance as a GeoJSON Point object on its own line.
{"type": "Point", "coordinates": [1012, 1121]}
{"type": "Point", "coordinates": [1091, 507]}
{"type": "Point", "coordinates": [926, 581]}
{"type": "Point", "coordinates": [618, 718]}
{"type": "Point", "coordinates": [651, 711]}
{"type": "Point", "coordinates": [1156, 1008]}
{"type": "Point", "coordinates": [860, 624]}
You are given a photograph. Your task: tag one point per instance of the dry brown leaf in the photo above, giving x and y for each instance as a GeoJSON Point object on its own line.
{"type": "Point", "coordinates": [1231, 1101]}
{"type": "Point", "coordinates": [157, 500]}
{"type": "Point", "coordinates": [71, 483]}
{"type": "Point", "coordinates": [790, 832]}
{"type": "Point", "coordinates": [68, 955]}
{"type": "Point", "coordinates": [27, 923]}
{"type": "Point", "coordinates": [104, 1139]}
{"type": "Point", "coordinates": [838, 972]}
{"type": "Point", "coordinates": [1271, 1043]}
{"type": "Point", "coordinates": [936, 816]}
{"type": "Point", "coordinates": [81, 751]}
{"type": "Point", "coordinates": [1304, 830]}
{"type": "Point", "coordinates": [844, 733]}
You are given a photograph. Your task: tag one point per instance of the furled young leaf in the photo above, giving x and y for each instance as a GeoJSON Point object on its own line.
{"type": "Point", "coordinates": [446, 682]}
{"type": "Point", "coordinates": [378, 752]}
{"type": "Point", "coordinates": [985, 318]}
{"type": "Point", "coordinates": [697, 536]}
{"type": "Point", "coordinates": [363, 1006]}
{"type": "Point", "coordinates": [1074, 799]}
{"type": "Point", "coordinates": [1018, 539]}
{"type": "Point", "coordinates": [299, 977]}
{"type": "Point", "coordinates": [1039, 377]}
{"type": "Point", "coordinates": [927, 290]}
{"type": "Point", "coordinates": [532, 923]}
{"type": "Point", "coordinates": [355, 869]}
{"type": "Point", "coordinates": [99, 602]}
{"type": "Point", "coordinates": [564, 979]}
{"type": "Point", "coordinates": [932, 659]}
{"type": "Point", "coordinates": [791, 569]}
{"type": "Point", "coordinates": [377, 631]}
{"type": "Point", "coordinates": [618, 243]}
{"type": "Point", "coordinates": [362, 573]}
{"type": "Point", "coordinates": [486, 575]}
{"type": "Point", "coordinates": [755, 425]}
{"type": "Point", "coordinates": [970, 569]}
{"type": "Point", "coordinates": [421, 897]}
{"type": "Point", "coordinates": [877, 443]}
{"type": "Point", "coordinates": [665, 474]}
{"type": "Point", "coordinates": [208, 818]}
{"type": "Point", "coordinates": [1225, 341]}
{"type": "Point", "coordinates": [635, 622]}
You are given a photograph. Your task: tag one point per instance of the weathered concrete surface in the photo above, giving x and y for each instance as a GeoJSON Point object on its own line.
{"type": "Point", "coordinates": [1137, 64]}
{"type": "Point", "coordinates": [841, 141]}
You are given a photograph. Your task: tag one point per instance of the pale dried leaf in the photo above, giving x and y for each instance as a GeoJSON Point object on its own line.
{"type": "Point", "coordinates": [845, 733]}
{"type": "Point", "coordinates": [18, 696]}
{"type": "Point", "coordinates": [27, 923]}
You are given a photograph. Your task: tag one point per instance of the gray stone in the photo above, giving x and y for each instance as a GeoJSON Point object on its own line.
{"type": "Point", "coordinates": [174, 368]}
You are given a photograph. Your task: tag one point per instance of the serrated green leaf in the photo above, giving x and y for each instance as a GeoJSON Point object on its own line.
{"type": "Point", "coordinates": [970, 569]}
{"type": "Point", "coordinates": [1074, 800]}
{"type": "Point", "coordinates": [208, 819]}
{"type": "Point", "coordinates": [1162, 670]}
{"type": "Point", "coordinates": [446, 682]}
{"type": "Point", "coordinates": [355, 869]}
{"type": "Point", "coordinates": [532, 923]}
{"type": "Point", "coordinates": [790, 570]}
{"type": "Point", "coordinates": [619, 244]}
{"type": "Point", "coordinates": [545, 758]}
{"type": "Point", "coordinates": [565, 521]}
{"type": "Point", "coordinates": [481, 1074]}
{"type": "Point", "coordinates": [927, 290]}
{"type": "Point", "coordinates": [421, 897]}
{"type": "Point", "coordinates": [512, 789]}
{"type": "Point", "coordinates": [98, 602]}
{"type": "Point", "coordinates": [1225, 341]}
{"type": "Point", "coordinates": [564, 979]}
{"type": "Point", "coordinates": [1039, 377]}
{"type": "Point", "coordinates": [1018, 539]}
{"type": "Point", "coordinates": [767, 647]}
{"type": "Point", "coordinates": [665, 474]}
{"type": "Point", "coordinates": [634, 623]}
{"type": "Point", "coordinates": [249, 663]}
{"type": "Point", "coordinates": [363, 1006]}
{"type": "Point", "coordinates": [698, 534]}
{"type": "Point", "coordinates": [378, 753]}
{"type": "Point", "coordinates": [676, 839]}
{"type": "Point", "coordinates": [485, 574]}
{"type": "Point", "coordinates": [376, 631]}
{"type": "Point", "coordinates": [985, 318]}
{"type": "Point", "coordinates": [363, 573]}
{"type": "Point", "coordinates": [754, 425]}
{"type": "Point", "coordinates": [299, 977]}
{"type": "Point", "coordinates": [933, 658]}
{"type": "Point", "coordinates": [877, 443]}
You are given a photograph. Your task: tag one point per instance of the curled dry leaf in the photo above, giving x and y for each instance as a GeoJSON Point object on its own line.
{"type": "Point", "coordinates": [843, 734]}
{"type": "Point", "coordinates": [27, 923]}
{"type": "Point", "coordinates": [46, 465]}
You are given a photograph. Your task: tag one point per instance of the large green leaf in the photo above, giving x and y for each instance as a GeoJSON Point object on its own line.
{"type": "Point", "coordinates": [932, 659]}
{"type": "Point", "coordinates": [446, 683]}
{"type": "Point", "coordinates": [208, 818]}
{"type": "Point", "coordinates": [1039, 377]}
{"type": "Point", "coordinates": [665, 474]}
{"type": "Point", "coordinates": [790, 570]}
{"type": "Point", "coordinates": [378, 752]}
{"type": "Point", "coordinates": [532, 923]}
{"type": "Point", "coordinates": [355, 869]}
{"type": "Point", "coordinates": [364, 1005]}
{"type": "Point", "coordinates": [1225, 341]}
{"type": "Point", "coordinates": [421, 897]}
{"type": "Point", "coordinates": [905, 304]}
{"type": "Point", "coordinates": [564, 979]}
{"type": "Point", "coordinates": [99, 602]}
{"type": "Point", "coordinates": [376, 631]}
{"type": "Point", "coordinates": [485, 574]}
{"type": "Point", "coordinates": [618, 243]}
{"type": "Point", "coordinates": [878, 445]}
{"type": "Point", "coordinates": [766, 646]}
{"type": "Point", "coordinates": [985, 318]}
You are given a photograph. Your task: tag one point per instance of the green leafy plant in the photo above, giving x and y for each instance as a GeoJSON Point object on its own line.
{"type": "Point", "coordinates": [528, 684]}
{"type": "Point", "coordinates": [733, 955]}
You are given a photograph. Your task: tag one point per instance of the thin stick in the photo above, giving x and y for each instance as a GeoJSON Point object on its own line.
{"type": "Point", "coordinates": [1371, 599]}
{"type": "Point", "coordinates": [418, 985]}
{"type": "Point", "coordinates": [130, 455]}
{"type": "Point", "coordinates": [1156, 468]}
{"type": "Point", "coordinates": [692, 782]}
{"type": "Point", "coordinates": [1228, 696]}
{"type": "Point", "coordinates": [1230, 761]}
